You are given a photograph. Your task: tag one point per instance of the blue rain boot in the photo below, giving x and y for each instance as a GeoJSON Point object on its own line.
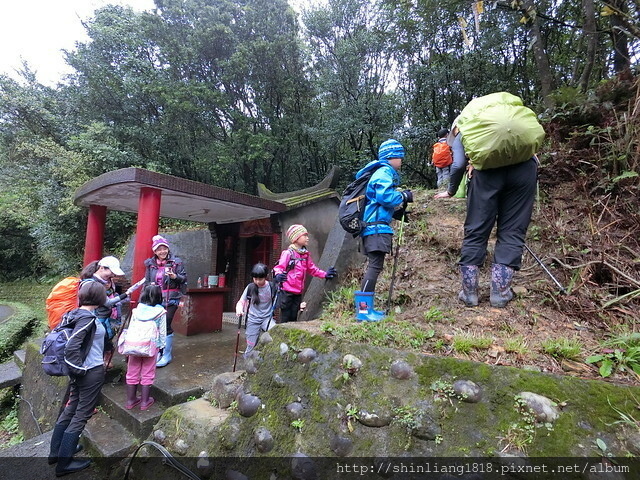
{"type": "Point", "coordinates": [501, 276]}
{"type": "Point", "coordinates": [166, 356]}
{"type": "Point", "coordinates": [364, 307]}
{"type": "Point", "coordinates": [469, 293]}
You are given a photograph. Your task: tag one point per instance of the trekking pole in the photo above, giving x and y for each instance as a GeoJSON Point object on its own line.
{"type": "Point", "coordinates": [246, 315]}
{"type": "Point", "coordinates": [395, 262]}
{"type": "Point", "coordinates": [562, 289]}
{"type": "Point", "coordinates": [235, 357]}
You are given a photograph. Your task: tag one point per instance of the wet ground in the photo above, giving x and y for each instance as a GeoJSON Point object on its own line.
{"type": "Point", "coordinates": [197, 359]}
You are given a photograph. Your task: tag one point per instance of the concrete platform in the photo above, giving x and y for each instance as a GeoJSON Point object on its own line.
{"type": "Point", "coordinates": [196, 360]}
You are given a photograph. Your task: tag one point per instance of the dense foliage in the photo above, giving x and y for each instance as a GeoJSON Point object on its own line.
{"type": "Point", "coordinates": [238, 92]}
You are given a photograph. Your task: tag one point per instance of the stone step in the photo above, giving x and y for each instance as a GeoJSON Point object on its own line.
{"type": "Point", "coordinates": [37, 446]}
{"type": "Point", "coordinates": [19, 357]}
{"type": "Point", "coordinates": [28, 461]}
{"type": "Point", "coordinates": [106, 437]}
{"type": "Point", "coordinates": [138, 422]}
{"type": "Point", "coordinates": [10, 374]}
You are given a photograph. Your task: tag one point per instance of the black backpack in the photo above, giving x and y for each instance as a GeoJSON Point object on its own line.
{"type": "Point", "coordinates": [351, 209]}
{"type": "Point", "coordinates": [53, 348]}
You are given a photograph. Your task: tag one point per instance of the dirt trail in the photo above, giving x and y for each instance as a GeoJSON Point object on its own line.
{"type": "Point", "coordinates": [522, 334]}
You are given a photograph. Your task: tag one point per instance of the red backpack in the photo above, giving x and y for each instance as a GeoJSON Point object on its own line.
{"type": "Point", "coordinates": [442, 154]}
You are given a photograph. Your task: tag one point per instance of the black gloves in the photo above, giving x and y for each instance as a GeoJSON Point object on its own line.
{"type": "Point", "coordinates": [400, 214]}
{"type": "Point", "coordinates": [407, 195]}
{"type": "Point", "coordinates": [280, 278]}
{"type": "Point", "coordinates": [331, 273]}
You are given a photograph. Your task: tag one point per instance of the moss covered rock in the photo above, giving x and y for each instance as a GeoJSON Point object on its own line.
{"type": "Point", "coordinates": [424, 415]}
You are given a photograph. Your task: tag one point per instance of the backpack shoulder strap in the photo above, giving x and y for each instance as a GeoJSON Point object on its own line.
{"type": "Point", "coordinates": [291, 262]}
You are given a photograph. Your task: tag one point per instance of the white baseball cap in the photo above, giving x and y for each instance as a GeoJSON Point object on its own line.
{"type": "Point", "coordinates": [112, 263]}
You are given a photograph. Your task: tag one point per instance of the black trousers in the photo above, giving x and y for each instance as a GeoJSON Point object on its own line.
{"type": "Point", "coordinates": [83, 399]}
{"type": "Point", "coordinates": [502, 196]}
{"type": "Point", "coordinates": [289, 306]}
{"type": "Point", "coordinates": [375, 247]}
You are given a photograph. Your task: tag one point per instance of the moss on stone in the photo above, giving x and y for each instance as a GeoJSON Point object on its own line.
{"type": "Point", "coordinates": [299, 339]}
{"type": "Point", "coordinates": [465, 428]}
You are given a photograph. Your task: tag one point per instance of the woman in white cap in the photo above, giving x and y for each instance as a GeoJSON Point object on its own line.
{"type": "Point", "coordinates": [103, 271]}
{"type": "Point", "coordinates": [169, 273]}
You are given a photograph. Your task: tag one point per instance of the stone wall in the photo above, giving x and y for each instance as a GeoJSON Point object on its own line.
{"type": "Point", "coordinates": [193, 247]}
{"type": "Point", "coordinates": [311, 395]}
{"type": "Point", "coordinates": [41, 395]}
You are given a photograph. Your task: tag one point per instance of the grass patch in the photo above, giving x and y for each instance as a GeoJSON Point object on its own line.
{"type": "Point", "coordinates": [16, 329]}
{"type": "Point", "coordinates": [29, 320]}
{"type": "Point", "coordinates": [517, 345]}
{"type": "Point", "coordinates": [434, 314]}
{"type": "Point", "coordinates": [569, 348]}
{"type": "Point", "coordinates": [9, 426]}
{"type": "Point", "coordinates": [464, 344]}
{"type": "Point", "coordinates": [386, 333]}
{"type": "Point", "coordinates": [339, 322]}
{"type": "Point", "coordinates": [29, 293]}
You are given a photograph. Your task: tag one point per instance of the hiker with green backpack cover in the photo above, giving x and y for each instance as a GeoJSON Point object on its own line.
{"type": "Point", "coordinates": [499, 137]}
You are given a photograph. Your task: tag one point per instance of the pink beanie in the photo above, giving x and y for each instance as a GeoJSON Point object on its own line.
{"type": "Point", "coordinates": [158, 241]}
{"type": "Point", "coordinates": [295, 232]}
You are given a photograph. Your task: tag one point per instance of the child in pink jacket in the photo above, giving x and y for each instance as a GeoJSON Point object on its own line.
{"type": "Point", "coordinates": [291, 270]}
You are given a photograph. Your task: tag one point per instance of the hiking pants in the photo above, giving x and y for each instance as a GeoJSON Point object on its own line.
{"type": "Point", "coordinates": [375, 247]}
{"type": "Point", "coordinates": [504, 195]}
{"type": "Point", "coordinates": [252, 334]}
{"type": "Point", "coordinates": [442, 175]}
{"type": "Point", "coordinates": [84, 393]}
{"type": "Point", "coordinates": [289, 306]}
{"type": "Point", "coordinates": [374, 267]}
{"type": "Point", "coordinates": [141, 370]}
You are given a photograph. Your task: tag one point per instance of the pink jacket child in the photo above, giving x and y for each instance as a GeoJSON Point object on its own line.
{"type": "Point", "coordinates": [291, 270]}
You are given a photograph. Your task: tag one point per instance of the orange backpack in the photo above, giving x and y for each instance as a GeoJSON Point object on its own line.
{"type": "Point", "coordinates": [63, 298]}
{"type": "Point", "coordinates": [442, 154]}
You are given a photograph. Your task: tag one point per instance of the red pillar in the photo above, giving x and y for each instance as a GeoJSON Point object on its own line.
{"type": "Point", "coordinates": [94, 239]}
{"type": "Point", "coordinates": [147, 227]}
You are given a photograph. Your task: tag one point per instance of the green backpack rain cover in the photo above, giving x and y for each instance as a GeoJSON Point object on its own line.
{"type": "Point", "coordinates": [498, 130]}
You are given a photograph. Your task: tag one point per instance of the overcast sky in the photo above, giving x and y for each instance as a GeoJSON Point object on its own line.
{"type": "Point", "coordinates": [37, 31]}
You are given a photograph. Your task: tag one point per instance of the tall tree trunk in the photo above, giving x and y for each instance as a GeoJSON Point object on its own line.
{"type": "Point", "coordinates": [547, 83]}
{"type": "Point", "coordinates": [590, 32]}
{"type": "Point", "coordinates": [621, 61]}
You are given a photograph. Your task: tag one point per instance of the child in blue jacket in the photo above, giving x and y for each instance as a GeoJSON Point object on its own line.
{"type": "Point", "coordinates": [382, 201]}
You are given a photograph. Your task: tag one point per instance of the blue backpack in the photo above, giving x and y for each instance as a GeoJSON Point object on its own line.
{"type": "Point", "coordinates": [53, 348]}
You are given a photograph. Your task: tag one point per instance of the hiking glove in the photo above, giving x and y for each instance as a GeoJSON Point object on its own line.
{"type": "Point", "coordinates": [331, 273]}
{"type": "Point", "coordinates": [400, 213]}
{"type": "Point", "coordinates": [407, 195]}
{"type": "Point", "coordinates": [281, 278]}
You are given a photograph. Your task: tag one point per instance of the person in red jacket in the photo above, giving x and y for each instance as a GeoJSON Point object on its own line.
{"type": "Point", "coordinates": [291, 271]}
